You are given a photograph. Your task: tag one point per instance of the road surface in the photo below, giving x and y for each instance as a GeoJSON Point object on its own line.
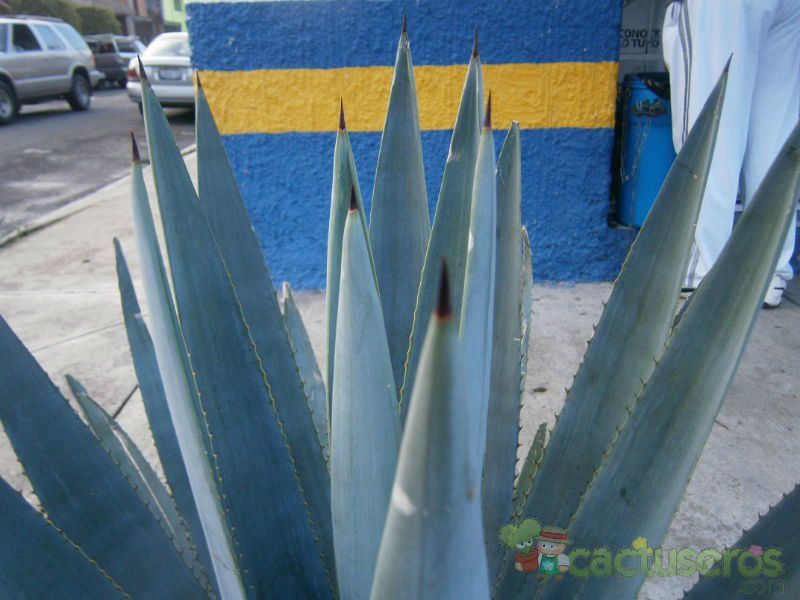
{"type": "Point", "coordinates": [51, 155]}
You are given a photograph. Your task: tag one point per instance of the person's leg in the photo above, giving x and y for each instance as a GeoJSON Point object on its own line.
{"type": "Point", "coordinates": [776, 102]}
{"type": "Point", "coordinates": [710, 31]}
{"type": "Point", "coordinates": [676, 57]}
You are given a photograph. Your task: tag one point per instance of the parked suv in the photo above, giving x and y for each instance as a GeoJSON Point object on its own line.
{"type": "Point", "coordinates": [42, 59]}
{"type": "Point", "coordinates": [112, 53]}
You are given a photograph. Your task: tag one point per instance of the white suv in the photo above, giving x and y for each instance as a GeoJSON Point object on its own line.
{"type": "Point", "coordinates": [41, 59]}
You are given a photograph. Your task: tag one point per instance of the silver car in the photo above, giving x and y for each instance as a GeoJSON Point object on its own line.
{"type": "Point", "coordinates": [43, 59]}
{"type": "Point", "coordinates": [167, 63]}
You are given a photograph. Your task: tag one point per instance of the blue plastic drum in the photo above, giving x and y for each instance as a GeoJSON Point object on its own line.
{"type": "Point", "coordinates": [647, 150]}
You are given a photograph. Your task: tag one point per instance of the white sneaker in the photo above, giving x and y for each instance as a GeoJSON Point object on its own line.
{"type": "Point", "coordinates": [774, 292]}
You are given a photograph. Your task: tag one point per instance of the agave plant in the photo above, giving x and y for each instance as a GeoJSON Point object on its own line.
{"type": "Point", "coordinates": [393, 474]}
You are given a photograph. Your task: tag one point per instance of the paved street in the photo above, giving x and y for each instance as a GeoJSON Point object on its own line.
{"type": "Point", "coordinates": [52, 155]}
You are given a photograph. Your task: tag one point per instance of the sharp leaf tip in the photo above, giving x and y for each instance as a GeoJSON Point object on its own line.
{"type": "Point", "coordinates": [443, 307]}
{"type": "Point", "coordinates": [135, 156]}
{"type": "Point", "coordinates": [728, 64]}
{"type": "Point", "coordinates": [353, 200]}
{"type": "Point", "coordinates": [142, 72]}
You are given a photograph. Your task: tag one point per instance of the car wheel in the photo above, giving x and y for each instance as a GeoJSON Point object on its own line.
{"type": "Point", "coordinates": [9, 107]}
{"type": "Point", "coordinates": [80, 95]}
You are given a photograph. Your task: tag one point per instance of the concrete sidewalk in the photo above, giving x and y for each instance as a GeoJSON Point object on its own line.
{"type": "Point", "coordinates": [58, 292]}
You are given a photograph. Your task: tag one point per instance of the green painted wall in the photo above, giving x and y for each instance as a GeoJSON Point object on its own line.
{"type": "Point", "coordinates": [174, 14]}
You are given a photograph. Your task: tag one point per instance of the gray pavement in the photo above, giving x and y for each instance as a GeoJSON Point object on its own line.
{"type": "Point", "coordinates": [58, 292]}
{"type": "Point", "coordinates": [52, 155]}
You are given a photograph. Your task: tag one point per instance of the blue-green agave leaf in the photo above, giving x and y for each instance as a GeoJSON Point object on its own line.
{"type": "Point", "coordinates": [502, 425]}
{"type": "Point", "coordinates": [345, 186]}
{"type": "Point", "coordinates": [180, 390]}
{"type": "Point", "coordinates": [777, 530]}
{"type": "Point", "coordinates": [156, 408]}
{"type": "Point", "coordinates": [138, 471]}
{"type": "Point", "coordinates": [529, 466]}
{"type": "Point", "coordinates": [477, 309]}
{"type": "Point", "coordinates": [399, 225]}
{"type": "Point", "coordinates": [642, 479]}
{"type": "Point", "coordinates": [525, 309]}
{"type": "Point", "coordinates": [365, 428]}
{"type": "Point", "coordinates": [633, 329]}
{"type": "Point", "coordinates": [451, 221]}
{"type": "Point", "coordinates": [432, 546]}
{"type": "Point", "coordinates": [39, 561]}
{"type": "Point", "coordinates": [82, 490]}
{"type": "Point", "coordinates": [629, 337]}
{"type": "Point", "coordinates": [260, 311]}
{"type": "Point", "coordinates": [307, 364]}
{"type": "Point", "coordinates": [250, 447]}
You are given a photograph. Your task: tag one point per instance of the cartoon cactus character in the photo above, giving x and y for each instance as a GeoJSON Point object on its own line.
{"type": "Point", "coordinates": [522, 540]}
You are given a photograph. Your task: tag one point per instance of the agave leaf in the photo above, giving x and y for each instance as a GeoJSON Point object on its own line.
{"type": "Point", "coordinates": [256, 298]}
{"type": "Point", "coordinates": [643, 477]}
{"type": "Point", "coordinates": [502, 429]}
{"type": "Point", "coordinates": [477, 309]}
{"type": "Point", "coordinates": [307, 364]}
{"type": "Point", "coordinates": [399, 225]}
{"type": "Point", "coordinates": [629, 337]}
{"type": "Point", "coordinates": [632, 331]}
{"type": "Point", "coordinates": [778, 528]}
{"type": "Point", "coordinates": [82, 490]}
{"type": "Point", "coordinates": [179, 389]}
{"type": "Point", "coordinates": [156, 406]}
{"type": "Point", "coordinates": [529, 466]}
{"type": "Point", "coordinates": [432, 546]}
{"type": "Point", "coordinates": [525, 308]}
{"type": "Point", "coordinates": [39, 561]}
{"type": "Point", "coordinates": [249, 445]}
{"type": "Point", "coordinates": [451, 222]}
{"type": "Point", "coordinates": [365, 429]}
{"type": "Point", "coordinates": [138, 471]}
{"type": "Point", "coordinates": [345, 186]}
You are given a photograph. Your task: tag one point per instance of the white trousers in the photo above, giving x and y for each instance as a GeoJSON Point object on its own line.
{"type": "Point", "coordinates": [762, 103]}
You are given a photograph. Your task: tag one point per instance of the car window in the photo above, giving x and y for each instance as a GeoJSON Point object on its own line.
{"type": "Point", "coordinates": [169, 46]}
{"type": "Point", "coordinates": [23, 40]}
{"type": "Point", "coordinates": [3, 37]}
{"type": "Point", "coordinates": [51, 40]}
{"type": "Point", "coordinates": [127, 46]}
{"type": "Point", "coordinates": [73, 38]}
{"type": "Point", "coordinates": [105, 48]}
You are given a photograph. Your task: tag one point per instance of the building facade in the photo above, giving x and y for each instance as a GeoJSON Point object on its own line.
{"type": "Point", "coordinates": [174, 12]}
{"type": "Point", "coordinates": [274, 72]}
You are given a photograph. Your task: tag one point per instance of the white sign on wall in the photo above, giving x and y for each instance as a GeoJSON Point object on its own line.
{"type": "Point", "coordinates": [640, 36]}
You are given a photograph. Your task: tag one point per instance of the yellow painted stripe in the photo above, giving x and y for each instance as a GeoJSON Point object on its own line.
{"type": "Point", "coordinates": [537, 95]}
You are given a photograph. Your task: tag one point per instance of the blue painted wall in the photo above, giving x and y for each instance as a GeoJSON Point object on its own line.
{"type": "Point", "coordinates": [567, 224]}
{"type": "Point", "coordinates": [285, 178]}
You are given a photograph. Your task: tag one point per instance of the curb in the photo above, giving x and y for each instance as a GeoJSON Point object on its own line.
{"type": "Point", "coordinates": [68, 209]}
